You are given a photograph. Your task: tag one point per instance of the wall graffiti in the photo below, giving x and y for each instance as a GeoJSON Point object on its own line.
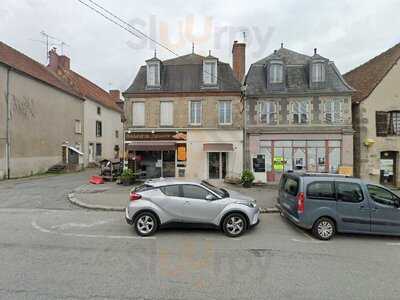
{"type": "Point", "coordinates": [23, 106]}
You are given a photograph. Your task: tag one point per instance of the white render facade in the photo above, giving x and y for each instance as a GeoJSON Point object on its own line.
{"type": "Point", "coordinates": [108, 140]}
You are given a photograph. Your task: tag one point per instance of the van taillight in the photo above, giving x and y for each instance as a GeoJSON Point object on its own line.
{"type": "Point", "coordinates": [134, 196]}
{"type": "Point", "coordinates": [300, 203]}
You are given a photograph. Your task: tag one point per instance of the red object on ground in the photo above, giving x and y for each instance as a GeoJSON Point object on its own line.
{"type": "Point", "coordinates": [96, 180]}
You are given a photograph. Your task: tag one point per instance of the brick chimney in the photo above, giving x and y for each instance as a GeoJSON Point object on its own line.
{"type": "Point", "coordinates": [58, 61]}
{"type": "Point", "coordinates": [239, 60]}
{"type": "Point", "coordinates": [116, 96]}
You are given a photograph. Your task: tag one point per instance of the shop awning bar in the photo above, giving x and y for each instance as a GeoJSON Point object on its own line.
{"type": "Point", "coordinates": [150, 146]}
{"type": "Point", "coordinates": [218, 147]}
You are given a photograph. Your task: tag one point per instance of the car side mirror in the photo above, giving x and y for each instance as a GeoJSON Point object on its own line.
{"type": "Point", "coordinates": [210, 197]}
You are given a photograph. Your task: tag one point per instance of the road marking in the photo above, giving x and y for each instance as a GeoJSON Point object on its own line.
{"type": "Point", "coordinates": [393, 244]}
{"type": "Point", "coordinates": [80, 225]}
{"type": "Point", "coordinates": [45, 230]}
{"type": "Point", "coordinates": [309, 241]}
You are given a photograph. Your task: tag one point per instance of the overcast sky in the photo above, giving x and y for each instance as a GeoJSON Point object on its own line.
{"type": "Point", "coordinates": [349, 32]}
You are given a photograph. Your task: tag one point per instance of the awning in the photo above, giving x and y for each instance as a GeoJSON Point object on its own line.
{"type": "Point", "coordinates": [73, 149]}
{"type": "Point", "coordinates": [218, 147]}
{"type": "Point", "coordinates": [151, 145]}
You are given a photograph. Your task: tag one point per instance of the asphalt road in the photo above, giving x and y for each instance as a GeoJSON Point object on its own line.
{"type": "Point", "coordinates": [50, 250]}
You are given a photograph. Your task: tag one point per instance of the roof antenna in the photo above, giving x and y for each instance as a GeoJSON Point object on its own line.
{"type": "Point", "coordinates": [281, 45]}
{"type": "Point", "coordinates": [315, 51]}
{"type": "Point", "coordinates": [209, 52]}
{"type": "Point", "coordinates": [155, 53]}
{"type": "Point", "coordinates": [192, 48]}
{"type": "Point", "coordinates": [244, 36]}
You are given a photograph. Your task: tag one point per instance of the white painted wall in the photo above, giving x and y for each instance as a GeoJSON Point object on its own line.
{"type": "Point", "coordinates": [197, 159]}
{"type": "Point", "coordinates": [111, 122]}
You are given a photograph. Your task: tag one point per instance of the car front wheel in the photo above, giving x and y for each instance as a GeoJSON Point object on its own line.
{"type": "Point", "coordinates": [324, 229]}
{"type": "Point", "coordinates": [145, 224]}
{"type": "Point", "coordinates": [234, 225]}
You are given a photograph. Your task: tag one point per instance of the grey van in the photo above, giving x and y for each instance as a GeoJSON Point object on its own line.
{"type": "Point", "coordinates": [328, 203]}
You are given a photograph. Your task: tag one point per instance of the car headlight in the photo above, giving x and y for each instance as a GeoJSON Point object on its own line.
{"type": "Point", "coordinates": [248, 204]}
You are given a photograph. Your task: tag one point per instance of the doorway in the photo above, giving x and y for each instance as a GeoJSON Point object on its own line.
{"type": "Point", "coordinates": [91, 152]}
{"type": "Point", "coordinates": [217, 163]}
{"type": "Point", "coordinates": [388, 168]}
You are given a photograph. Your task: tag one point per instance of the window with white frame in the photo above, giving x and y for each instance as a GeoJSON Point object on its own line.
{"type": "Point", "coordinates": [153, 74]}
{"type": "Point", "coordinates": [300, 112]}
{"type": "Point", "coordinates": [268, 112]}
{"type": "Point", "coordinates": [166, 113]}
{"type": "Point", "coordinates": [318, 72]}
{"type": "Point", "coordinates": [333, 111]}
{"type": "Point", "coordinates": [276, 73]}
{"type": "Point", "coordinates": [195, 113]}
{"type": "Point", "coordinates": [210, 72]}
{"type": "Point", "coordinates": [138, 114]}
{"type": "Point", "coordinates": [78, 126]}
{"type": "Point", "coordinates": [225, 112]}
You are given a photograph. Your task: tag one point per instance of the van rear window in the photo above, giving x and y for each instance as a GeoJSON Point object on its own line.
{"type": "Point", "coordinates": [323, 190]}
{"type": "Point", "coordinates": [291, 186]}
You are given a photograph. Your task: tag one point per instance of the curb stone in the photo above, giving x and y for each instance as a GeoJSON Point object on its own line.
{"type": "Point", "coordinates": [74, 200]}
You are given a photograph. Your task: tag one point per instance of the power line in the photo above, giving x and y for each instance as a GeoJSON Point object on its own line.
{"type": "Point", "coordinates": [130, 31]}
{"type": "Point", "coordinates": [129, 25]}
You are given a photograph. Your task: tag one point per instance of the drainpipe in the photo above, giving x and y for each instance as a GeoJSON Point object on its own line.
{"type": "Point", "coordinates": [243, 95]}
{"type": "Point", "coordinates": [8, 123]}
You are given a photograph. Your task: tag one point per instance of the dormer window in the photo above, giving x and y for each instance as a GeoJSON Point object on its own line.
{"type": "Point", "coordinates": [210, 72]}
{"type": "Point", "coordinates": [318, 72]}
{"type": "Point", "coordinates": [153, 74]}
{"type": "Point", "coordinates": [276, 73]}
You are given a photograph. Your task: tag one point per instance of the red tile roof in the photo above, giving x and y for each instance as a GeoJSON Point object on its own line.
{"type": "Point", "coordinates": [22, 63]}
{"type": "Point", "coordinates": [82, 85]}
{"type": "Point", "coordinates": [366, 77]}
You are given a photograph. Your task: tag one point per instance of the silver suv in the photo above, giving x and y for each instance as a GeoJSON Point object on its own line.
{"type": "Point", "coordinates": [162, 202]}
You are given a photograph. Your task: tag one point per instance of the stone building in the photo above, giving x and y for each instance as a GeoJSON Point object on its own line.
{"type": "Point", "coordinates": [184, 119]}
{"type": "Point", "coordinates": [298, 116]}
{"type": "Point", "coordinates": [376, 118]}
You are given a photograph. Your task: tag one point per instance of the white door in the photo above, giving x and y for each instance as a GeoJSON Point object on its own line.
{"type": "Point", "coordinates": [91, 153]}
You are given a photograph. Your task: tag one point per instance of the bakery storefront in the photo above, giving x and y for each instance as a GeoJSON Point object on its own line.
{"type": "Point", "coordinates": [156, 154]}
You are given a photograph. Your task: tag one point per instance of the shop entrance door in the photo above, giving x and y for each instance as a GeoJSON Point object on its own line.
{"type": "Point", "coordinates": [217, 163]}
{"type": "Point", "coordinates": [168, 163]}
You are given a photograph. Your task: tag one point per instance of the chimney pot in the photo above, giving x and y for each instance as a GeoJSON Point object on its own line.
{"type": "Point", "coordinates": [315, 50]}
{"type": "Point", "coordinates": [239, 60]}
{"type": "Point", "coordinates": [281, 45]}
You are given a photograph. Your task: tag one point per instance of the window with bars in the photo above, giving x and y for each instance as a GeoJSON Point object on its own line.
{"type": "Point", "coordinates": [195, 113]}
{"type": "Point", "coordinates": [300, 112]}
{"type": "Point", "coordinates": [225, 112]}
{"type": "Point", "coordinates": [268, 112]}
{"type": "Point", "coordinates": [318, 72]}
{"type": "Point", "coordinates": [333, 111]}
{"type": "Point", "coordinates": [276, 73]}
{"type": "Point", "coordinates": [387, 123]}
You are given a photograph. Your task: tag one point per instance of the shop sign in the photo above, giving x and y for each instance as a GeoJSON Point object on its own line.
{"type": "Point", "coordinates": [279, 163]}
{"type": "Point", "coordinates": [157, 136]}
{"type": "Point", "coordinates": [181, 152]}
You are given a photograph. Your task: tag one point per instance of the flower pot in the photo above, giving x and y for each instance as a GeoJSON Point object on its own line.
{"type": "Point", "coordinates": [247, 184]}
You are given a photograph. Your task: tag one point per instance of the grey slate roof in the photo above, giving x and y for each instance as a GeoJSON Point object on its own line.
{"type": "Point", "coordinates": [297, 75]}
{"type": "Point", "coordinates": [185, 74]}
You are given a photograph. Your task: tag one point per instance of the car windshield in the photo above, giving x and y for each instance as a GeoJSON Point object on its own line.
{"type": "Point", "coordinates": [220, 192]}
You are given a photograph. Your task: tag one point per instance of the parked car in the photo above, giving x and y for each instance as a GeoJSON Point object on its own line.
{"type": "Point", "coordinates": [326, 204]}
{"type": "Point", "coordinates": [162, 202]}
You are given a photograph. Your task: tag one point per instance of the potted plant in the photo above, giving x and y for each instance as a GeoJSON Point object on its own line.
{"type": "Point", "coordinates": [247, 178]}
{"type": "Point", "coordinates": [127, 177]}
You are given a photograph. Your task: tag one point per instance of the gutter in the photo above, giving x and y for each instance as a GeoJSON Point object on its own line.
{"type": "Point", "coordinates": [8, 146]}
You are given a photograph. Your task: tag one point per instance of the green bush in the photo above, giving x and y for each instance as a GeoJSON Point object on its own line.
{"type": "Point", "coordinates": [127, 175]}
{"type": "Point", "coordinates": [247, 177]}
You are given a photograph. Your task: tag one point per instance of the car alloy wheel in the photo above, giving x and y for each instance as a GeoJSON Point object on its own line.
{"type": "Point", "coordinates": [146, 224]}
{"type": "Point", "coordinates": [324, 229]}
{"type": "Point", "coordinates": [234, 225]}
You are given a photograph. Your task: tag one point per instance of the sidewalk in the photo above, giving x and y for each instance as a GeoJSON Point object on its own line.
{"type": "Point", "coordinates": [113, 197]}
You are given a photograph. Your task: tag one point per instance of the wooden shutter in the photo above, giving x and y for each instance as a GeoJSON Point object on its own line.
{"type": "Point", "coordinates": [166, 113]}
{"type": "Point", "coordinates": [138, 114]}
{"type": "Point", "coordinates": [382, 123]}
